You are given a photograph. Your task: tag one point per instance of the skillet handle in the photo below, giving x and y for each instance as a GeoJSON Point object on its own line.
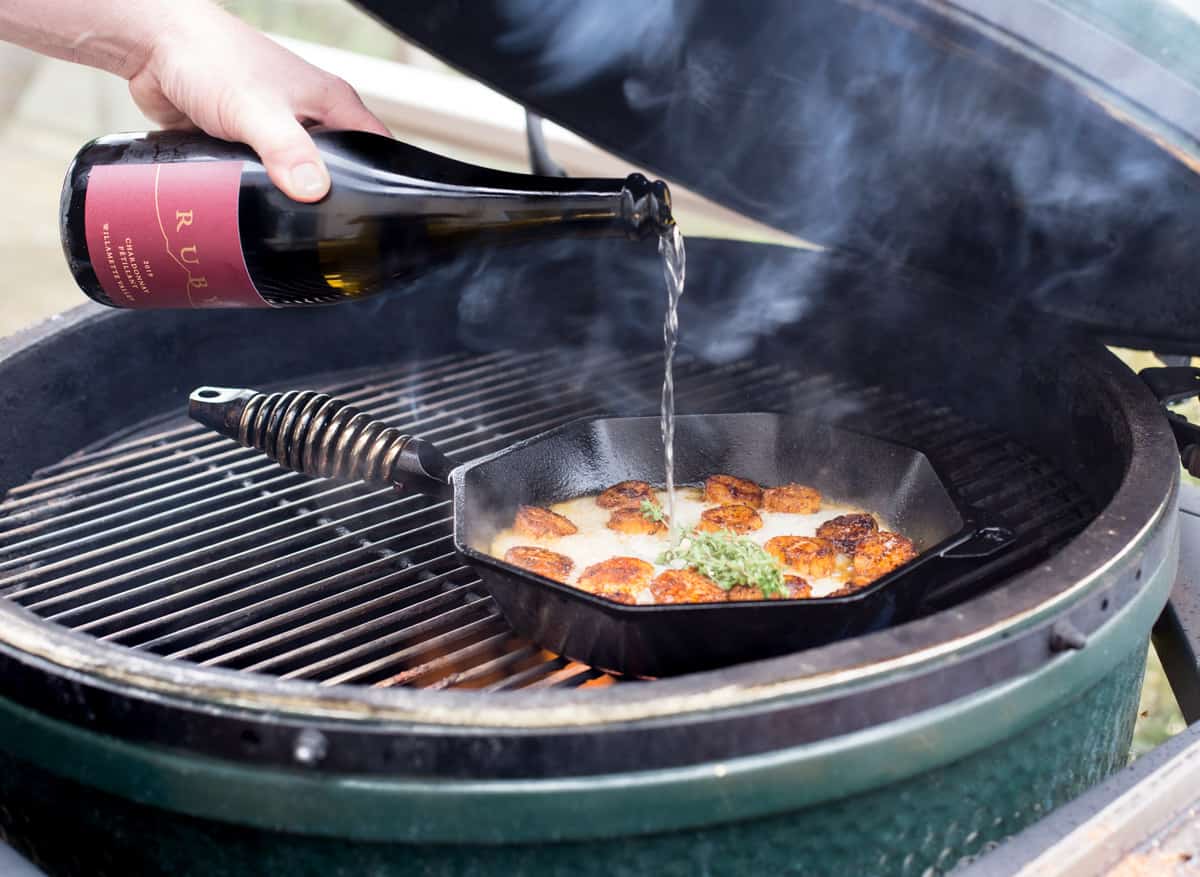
{"type": "Point", "coordinates": [315, 434]}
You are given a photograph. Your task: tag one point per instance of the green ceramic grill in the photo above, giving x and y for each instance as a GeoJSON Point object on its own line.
{"type": "Point", "coordinates": [209, 665]}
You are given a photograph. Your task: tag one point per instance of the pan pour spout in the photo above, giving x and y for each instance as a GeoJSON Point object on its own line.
{"type": "Point", "coordinates": [316, 434]}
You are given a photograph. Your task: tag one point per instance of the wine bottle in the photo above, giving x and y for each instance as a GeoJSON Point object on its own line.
{"type": "Point", "coordinates": [182, 220]}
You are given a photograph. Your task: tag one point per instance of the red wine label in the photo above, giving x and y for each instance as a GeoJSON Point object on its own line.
{"type": "Point", "coordinates": [166, 235]}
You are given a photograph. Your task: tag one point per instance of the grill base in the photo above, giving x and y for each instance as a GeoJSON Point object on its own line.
{"type": "Point", "coordinates": [924, 825]}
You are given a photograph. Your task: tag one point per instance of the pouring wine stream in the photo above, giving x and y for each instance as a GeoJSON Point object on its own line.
{"type": "Point", "coordinates": [670, 246]}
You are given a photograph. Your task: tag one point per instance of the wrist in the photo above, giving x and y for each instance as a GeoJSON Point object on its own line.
{"type": "Point", "coordinates": [113, 35]}
{"type": "Point", "coordinates": [151, 28]}
{"type": "Point", "coordinates": [120, 37]}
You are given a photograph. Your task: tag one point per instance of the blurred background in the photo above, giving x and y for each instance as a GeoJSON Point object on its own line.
{"type": "Point", "coordinates": [49, 108]}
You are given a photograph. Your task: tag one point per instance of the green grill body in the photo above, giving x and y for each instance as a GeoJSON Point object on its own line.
{"type": "Point", "coordinates": [921, 826]}
{"type": "Point", "coordinates": [969, 774]}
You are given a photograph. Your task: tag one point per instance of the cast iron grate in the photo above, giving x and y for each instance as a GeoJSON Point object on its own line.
{"type": "Point", "coordinates": [174, 541]}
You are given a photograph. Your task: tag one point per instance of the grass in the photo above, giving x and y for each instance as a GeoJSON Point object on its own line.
{"type": "Point", "coordinates": [1158, 718]}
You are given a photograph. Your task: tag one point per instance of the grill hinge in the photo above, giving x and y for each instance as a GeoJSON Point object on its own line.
{"type": "Point", "coordinates": [1172, 385]}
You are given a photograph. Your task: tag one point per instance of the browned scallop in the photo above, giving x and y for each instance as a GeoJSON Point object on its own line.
{"type": "Point", "coordinates": [626, 495]}
{"type": "Point", "coordinates": [796, 499]}
{"type": "Point", "coordinates": [618, 578]}
{"type": "Point", "coordinates": [734, 518]}
{"type": "Point", "coordinates": [685, 586]}
{"type": "Point", "coordinates": [804, 554]}
{"type": "Point", "coordinates": [849, 588]}
{"type": "Point", "coordinates": [879, 554]}
{"type": "Point", "coordinates": [797, 588]}
{"type": "Point", "coordinates": [846, 531]}
{"type": "Point", "coordinates": [542, 561]}
{"type": "Point", "coordinates": [536, 522]}
{"type": "Point", "coordinates": [728, 490]}
{"type": "Point", "coordinates": [743, 593]}
{"type": "Point", "coordinates": [625, 597]}
{"type": "Point", "coordinates": [633, 522]}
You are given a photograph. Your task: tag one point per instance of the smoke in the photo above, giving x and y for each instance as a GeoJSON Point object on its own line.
{"type": "Point", "coordinates": [958, 186]}
{"type": "Point", "coordinates": [771, 295]}
{"type": "Point", "coordinates": [580, 41]}
{"type": "Point", "coordinates": [855, 127]}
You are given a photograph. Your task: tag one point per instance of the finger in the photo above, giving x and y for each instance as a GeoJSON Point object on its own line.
{"type": "Point", "coordinates": [287, 151]}
{"type": "Point", "coordinates": [353, 117]}
{"type": "Point", "coordinates": [183, 123]}
{"type": "Point", "coordinates": [154, 104]}
{"type": "Point", "coordinates": [339, 106]}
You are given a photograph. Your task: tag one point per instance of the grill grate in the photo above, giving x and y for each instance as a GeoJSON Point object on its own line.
{"type": "Point", "coordinates": [174, 541]}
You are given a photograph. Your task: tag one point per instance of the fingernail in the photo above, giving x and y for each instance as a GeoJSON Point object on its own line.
{"type": "Point", "coordinates": [309, 179]}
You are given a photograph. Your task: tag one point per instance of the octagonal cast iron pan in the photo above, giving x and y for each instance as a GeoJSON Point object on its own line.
{"type": "Point", "coordinates": [315, 434]}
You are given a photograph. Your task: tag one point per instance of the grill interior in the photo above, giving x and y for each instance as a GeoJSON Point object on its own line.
{"type": "Point", "coordinates": [171, 540]}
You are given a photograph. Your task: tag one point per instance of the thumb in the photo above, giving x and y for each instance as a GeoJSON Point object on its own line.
{"type": "Point", "coordinates": [286, 149]}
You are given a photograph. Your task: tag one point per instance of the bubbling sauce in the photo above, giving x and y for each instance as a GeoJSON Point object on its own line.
{"type": "Point", "coordinates": [595, 542]}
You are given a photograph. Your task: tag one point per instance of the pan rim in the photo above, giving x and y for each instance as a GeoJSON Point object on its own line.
{"type": "Point", "coordinates": [968, 523]}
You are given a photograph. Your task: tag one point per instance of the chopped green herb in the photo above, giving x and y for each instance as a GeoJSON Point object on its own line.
{"type": "Point", "coordinates": [728, 560]}
{"type": "Point", "coordinates": [652, 511]}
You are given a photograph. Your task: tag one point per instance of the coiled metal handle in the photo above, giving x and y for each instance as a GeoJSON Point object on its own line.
{"type": "Point", "coordinates": [317, 434]}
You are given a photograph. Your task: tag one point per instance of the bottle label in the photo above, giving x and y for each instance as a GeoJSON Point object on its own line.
{"type": "Point", "coordinates": [166, 235]}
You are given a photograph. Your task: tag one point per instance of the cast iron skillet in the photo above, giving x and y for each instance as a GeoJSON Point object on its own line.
{"type": "Point", "coordinates": [315, 434]}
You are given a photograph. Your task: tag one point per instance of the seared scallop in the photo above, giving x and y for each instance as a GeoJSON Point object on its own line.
{"type": "Point", "coordinates": [849, 588]}
{"type": "Point", "coordinates": [536, 522]}
{"type": "Point", "coordinates": [816, 558]}
{"type": "Point", "coordinates": [796, 499]}
{"type": "Point", "coordinates": [879, 554]}
{"type": "Point", "coordinates": [797, 588]}
{"type": "Point", "coordinates": [542, 561]}
{"type": "Point", "coordinates": [744, 593]}
{"type": "Point", "coordinates": [734, 518]}
{"type": "Point", "coordinates": [618, 578]}
{"type": "Point", "coordinates": [685, 586]}
{"type": "Point", "coordinates": [633, 522]}
{"type": "Point", "coordinates": [846, 531]}
{"type": "Point", "coordinates": [729, 490]}
{"type": "Point", "coordinates": [626, 495]}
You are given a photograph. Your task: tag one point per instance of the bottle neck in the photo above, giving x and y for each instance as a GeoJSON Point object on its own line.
{"type": "Point", "coordinates": [515, 206]}
{"type": "Point", "coordinates": [588, 212]}
{"type": "Point", "coordinates": [461, 196]}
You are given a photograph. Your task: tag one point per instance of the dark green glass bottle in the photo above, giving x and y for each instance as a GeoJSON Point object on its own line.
{"type": "Point", "coordinates": [174, 219]}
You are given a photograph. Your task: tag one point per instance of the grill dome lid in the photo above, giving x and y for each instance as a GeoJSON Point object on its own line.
{"type": "Point", "coordinates": [1040, 151]}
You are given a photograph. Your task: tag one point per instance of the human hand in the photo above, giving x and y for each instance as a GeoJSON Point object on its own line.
{"type": "Point", "coordinates": [207, 69]}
